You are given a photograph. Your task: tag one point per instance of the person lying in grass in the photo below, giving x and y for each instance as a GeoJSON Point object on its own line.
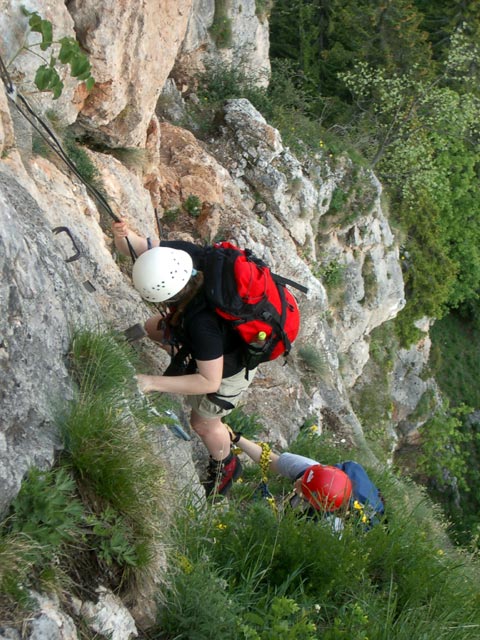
{"type": "Point", "coordinates": [333, 490]}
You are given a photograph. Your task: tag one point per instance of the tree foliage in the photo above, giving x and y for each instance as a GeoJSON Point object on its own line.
{"type": "Point", "coordinates": [399, 80]}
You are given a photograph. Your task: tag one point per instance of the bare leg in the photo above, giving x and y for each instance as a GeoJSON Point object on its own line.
{"type": "Point", "coordinates": [214, 435]}
{"type": "Point", "coordinates": [151, 327]}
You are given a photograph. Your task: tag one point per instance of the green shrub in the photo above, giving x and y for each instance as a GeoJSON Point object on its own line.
{"type": "Point", "coordinates": [339, 198]}
{"type": "Point", "coordinates": [81, 160]}
{"type": "Point", "coordinates": [170, 215]}
{"type": "Point", "coordinates": [333, 274]}
{"type": "Point", "coordinates": [247, 424]}
{"type": "Point", "coordinates": [278, 618]}
{"type": "Point", "coordinates": [456, 345]}
{"type": "Point", "coordinates": [443, 438]}
{"type": "Point", "coordinates": [47, 509]}
{"type": "Point", "coordinates": [193, 206]}
{"type": "Point", "coordinates": [114, 542]}
{"type": "Point", "coordinates": [45, 524]}
{"type": "Point", "coordinates": [222, 81]}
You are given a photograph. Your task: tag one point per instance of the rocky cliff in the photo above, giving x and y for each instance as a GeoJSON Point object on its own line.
{"type": "Point", "coordinates": [252, 189]}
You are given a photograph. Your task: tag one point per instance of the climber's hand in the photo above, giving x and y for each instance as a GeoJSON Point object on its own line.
{"type": "Point", "coordinates": [146, 384]}
{"type": "Point", "coordinates": [120, 229]}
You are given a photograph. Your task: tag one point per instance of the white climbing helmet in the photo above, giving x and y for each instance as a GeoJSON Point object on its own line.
{"type": "Point", "coordinates": [161, 272]}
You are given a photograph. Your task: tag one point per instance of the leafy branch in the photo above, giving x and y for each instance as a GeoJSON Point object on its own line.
{"type": "Point", "coordinates": [47, 77]}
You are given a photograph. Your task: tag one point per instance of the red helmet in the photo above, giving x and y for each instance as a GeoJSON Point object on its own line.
{"type": "Point", "coordinates": [326, 487]}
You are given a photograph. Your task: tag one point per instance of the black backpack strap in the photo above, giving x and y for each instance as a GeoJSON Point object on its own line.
{"type": "Point", "coordinates": [220, 401]}
{"type": "Point", "coordinates": [277, 321]}
{"type": "Point", "coordinates": [291, 283]}
{"type": "Point", "coordinates": [219, 279]}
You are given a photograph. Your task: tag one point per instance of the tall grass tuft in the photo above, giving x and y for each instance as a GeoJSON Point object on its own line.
{"type": "Point", "coordinates": [18, 555]}
{"type": "Point", "coordinates": [101, 365]}
{"type": "Point", "coordinates": [109, 442]}
{"type": "Point", "coordinates": [113, 455]}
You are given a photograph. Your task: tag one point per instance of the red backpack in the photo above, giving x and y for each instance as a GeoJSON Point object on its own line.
{"type": "Point", "coordinates": [243, 290]}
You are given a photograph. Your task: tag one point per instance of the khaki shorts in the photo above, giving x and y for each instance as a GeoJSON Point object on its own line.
{"type": "Point", "coordinates": [228, 395]}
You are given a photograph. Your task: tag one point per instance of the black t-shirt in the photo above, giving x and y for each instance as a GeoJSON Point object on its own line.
{"type": "Point", "coordinates": [205, 332]}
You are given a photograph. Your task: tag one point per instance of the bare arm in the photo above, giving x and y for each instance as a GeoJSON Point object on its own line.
{"type": "Point", "coordinates": [120, 233]}
{"type": "Point", "coordinates": [254, 451]}
{"type": "Point", "coordinates": [206, 380]}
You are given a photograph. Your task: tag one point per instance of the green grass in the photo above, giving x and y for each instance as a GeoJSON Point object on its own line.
{"type": "Point", "coordinates": [249, 572]}
{"type": "Point", "coordinates": [314, 360]}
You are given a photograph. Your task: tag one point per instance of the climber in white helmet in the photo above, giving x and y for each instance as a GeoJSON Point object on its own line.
{"type": "Point", "coordinates": [170, 272]}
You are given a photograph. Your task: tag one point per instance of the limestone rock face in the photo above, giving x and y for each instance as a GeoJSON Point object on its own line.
{"type": "Point", "coordinates": [254, 153]}
{"type": "Point", "coordinates": [34, 330]}
{"type": "Point", "coordinates": [300, 197]}
{"type": "Point", "coordinates": [49, 621]}
{"type": "Point", "coordinates": [409, 385]}
{"type": "Point", "coordinates": [230, 32]}
{"type": "Point", "coordinates": [132, 47]}
{"type": "Point", "coordinates": [372, 291]}
{"type": "Point", "coordinates": [109, 617]}
{"type": "Point", "coordinates": [187, 169]}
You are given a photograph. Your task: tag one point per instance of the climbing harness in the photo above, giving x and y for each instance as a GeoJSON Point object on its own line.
{"type": "Point", "coordinates": [54, 143]}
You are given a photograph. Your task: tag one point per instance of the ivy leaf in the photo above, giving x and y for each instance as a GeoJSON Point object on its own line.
{"type": "Point", "coordinates": [35, 22]}
{"type": "Point", "coordinates": [47, 79]}
{"type": "Point", "coordinates": [68, 49]}
{"type": "Point", "coordinates": [79, 65]}
{"type": "Point", "coordinates": [47, 34]}
{"type": "Point", "coordinates": [44, 27]}
{"type": "Point", "coordinates": [43, 77]}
